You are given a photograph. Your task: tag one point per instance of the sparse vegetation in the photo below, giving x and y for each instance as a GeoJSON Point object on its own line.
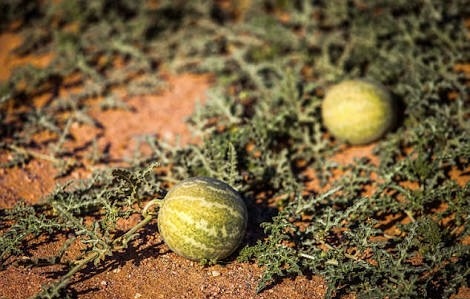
{"type": "Point", "coordinates": [398, 228]}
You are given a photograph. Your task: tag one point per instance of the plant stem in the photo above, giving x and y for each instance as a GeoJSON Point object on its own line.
{"type": "Point", "coordinates": [95, 255]}
{"type": "Point", "coordinates": [124, 239]}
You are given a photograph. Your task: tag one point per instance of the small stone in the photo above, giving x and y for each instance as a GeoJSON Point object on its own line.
{"type": "Point", "coordinates": [215, 273]}
{"type": "Point", "coordinates": [137, 295]}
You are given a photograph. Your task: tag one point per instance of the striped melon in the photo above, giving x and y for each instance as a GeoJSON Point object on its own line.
{"type": "Point", "coordinates": [202, 219]}
{"type": "Point", "coordinates": [358, 111]}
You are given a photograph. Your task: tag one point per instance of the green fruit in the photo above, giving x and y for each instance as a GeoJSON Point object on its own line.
{"type": "Point", "coordinates": [358, 111]}
{"type": "Point", "coordinates": [202, 219]}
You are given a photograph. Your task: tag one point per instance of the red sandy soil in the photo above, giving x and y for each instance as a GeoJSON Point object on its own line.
{"type": "Point", "coordinates": [147, 269]}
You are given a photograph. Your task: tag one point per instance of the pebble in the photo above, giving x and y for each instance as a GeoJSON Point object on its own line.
{"type": "Point", "coordinates": [215, 273]}
{"type": "Point", "coordinates": [117, 270]}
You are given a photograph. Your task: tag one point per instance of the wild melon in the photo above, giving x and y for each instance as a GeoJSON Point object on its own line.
{"type": "Point", "coordinates": [202, 218]}
{"type": "Point", "coordinates": [358, 111]}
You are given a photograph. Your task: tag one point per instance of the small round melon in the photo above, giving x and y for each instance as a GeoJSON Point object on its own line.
{"type": "Point", "coordinates": [202, 219]}
{"type": "Point", "coordinates": [358, 111]}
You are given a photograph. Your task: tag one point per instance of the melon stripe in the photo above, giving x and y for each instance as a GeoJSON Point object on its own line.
{"type": "Point", "coordinates": [216, 235]}
{"type": "Point", "coordinates": [198, 191]}
{"type": "Point", "coordinates": [184, 241]}
{"type": "Point", "coordinates": [233, 209]}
